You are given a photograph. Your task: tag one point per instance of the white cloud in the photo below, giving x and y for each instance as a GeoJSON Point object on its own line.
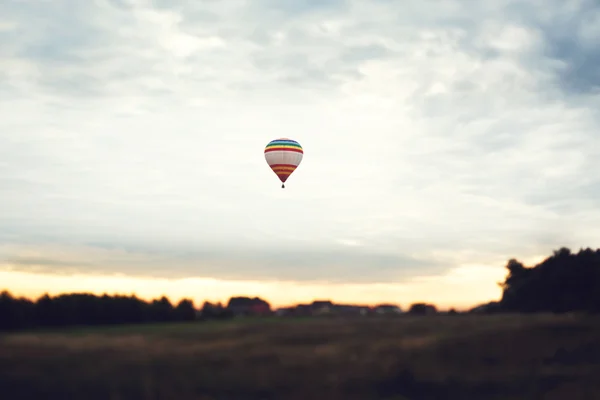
{"type": "Point", "coordinates": [430, 134]}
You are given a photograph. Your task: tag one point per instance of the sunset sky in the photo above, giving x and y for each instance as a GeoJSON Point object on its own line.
{"type": "Point", "coordinates": [441, 138]}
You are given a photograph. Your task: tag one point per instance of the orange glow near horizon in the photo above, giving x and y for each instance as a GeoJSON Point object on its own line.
{"type": "Point", "coordinates": [460, 288]}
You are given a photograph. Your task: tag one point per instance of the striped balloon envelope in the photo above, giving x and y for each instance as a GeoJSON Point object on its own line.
{"type": "Point", "coordinates": [283, 156]}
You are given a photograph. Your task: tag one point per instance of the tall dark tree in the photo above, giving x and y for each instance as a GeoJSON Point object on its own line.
{"type": "Point", "coordinates": [161, 310]}
{"type": "Point", "coordinates": [562, 282]}
{"type": "Point", "coordinates": [185, 310]}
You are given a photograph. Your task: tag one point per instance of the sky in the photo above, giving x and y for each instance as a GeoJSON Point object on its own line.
{"type": "Point", "coordinates": [441, 138]}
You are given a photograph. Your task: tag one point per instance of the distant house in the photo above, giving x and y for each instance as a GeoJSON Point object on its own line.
{"type": "Point", "coordinates": [293, 311]}
{"type": "Point", "coordinates": [422, 309]}
{"type": "Point", "coordinates": [364, 310]}
{"type": "Point", "coordinates": [245, 306]}
{"type": "Point", "coordinates": [387, 309]}
{"type": "Point", "coordinates": [324, 307]}
{"type": "Point", "coordinates": [301, 310]}
{"type": "Point", "coordinates": [283, 311]}
{"type": "Point", "coordinates": [320, 307]}
{"type": "Point", "coordinates": [350, 310]}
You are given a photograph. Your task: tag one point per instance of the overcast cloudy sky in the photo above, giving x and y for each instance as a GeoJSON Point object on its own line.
{"type": "Point", "coordinates": [438, 135]}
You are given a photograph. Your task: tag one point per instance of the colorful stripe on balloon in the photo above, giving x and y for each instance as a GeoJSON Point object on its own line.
{"type": "Point", "coordinates": [284, 145]}
{"type": "Point", "coordinates": [283, 171]}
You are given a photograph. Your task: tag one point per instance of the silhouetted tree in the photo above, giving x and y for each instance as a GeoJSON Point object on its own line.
{"type": "Point", "coordinates": [15, 313]}
{"type": "Point", "coordinates": [214, 311]}
{"type": "Point", "coordinates": [562, 282]}
{"type": "Point", "coordinates": [88, 309]}
{"type": "Point", "coordinates": [161, 310]}
{"type": "Point", "coordinates": [185, 311]}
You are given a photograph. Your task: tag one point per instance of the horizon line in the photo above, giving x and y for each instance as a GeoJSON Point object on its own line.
{"type": "Point", "coordinates": [198, 304]}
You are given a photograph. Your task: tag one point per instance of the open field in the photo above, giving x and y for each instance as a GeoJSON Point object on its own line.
{"type": "Point", "coordinates": [435, 357]}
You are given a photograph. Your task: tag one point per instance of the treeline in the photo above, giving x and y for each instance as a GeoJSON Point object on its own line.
{"type": "Point", "coordinates": [563, 282]}
{"type": "Point", "coordinates": [87, 309]}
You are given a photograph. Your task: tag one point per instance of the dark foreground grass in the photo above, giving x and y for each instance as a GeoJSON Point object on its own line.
{"type": "Point", "coordinates": [438, 357]}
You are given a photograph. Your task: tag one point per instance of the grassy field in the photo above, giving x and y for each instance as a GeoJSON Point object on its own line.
{"type": "Point", "coordinates": [435, 357]}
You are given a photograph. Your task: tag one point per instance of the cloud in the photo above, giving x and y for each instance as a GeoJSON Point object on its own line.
{"type": "Point", "coordinates": [434, 136]}
{"type": "Point", "coordinates": [328, 264]}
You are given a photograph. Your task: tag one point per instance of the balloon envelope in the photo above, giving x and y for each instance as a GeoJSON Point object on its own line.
{"type": "Point", "coordinates": [283, 156]}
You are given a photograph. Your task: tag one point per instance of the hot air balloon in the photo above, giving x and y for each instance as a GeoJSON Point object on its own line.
{"type": "Point", "coordinates": [283, 156]}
